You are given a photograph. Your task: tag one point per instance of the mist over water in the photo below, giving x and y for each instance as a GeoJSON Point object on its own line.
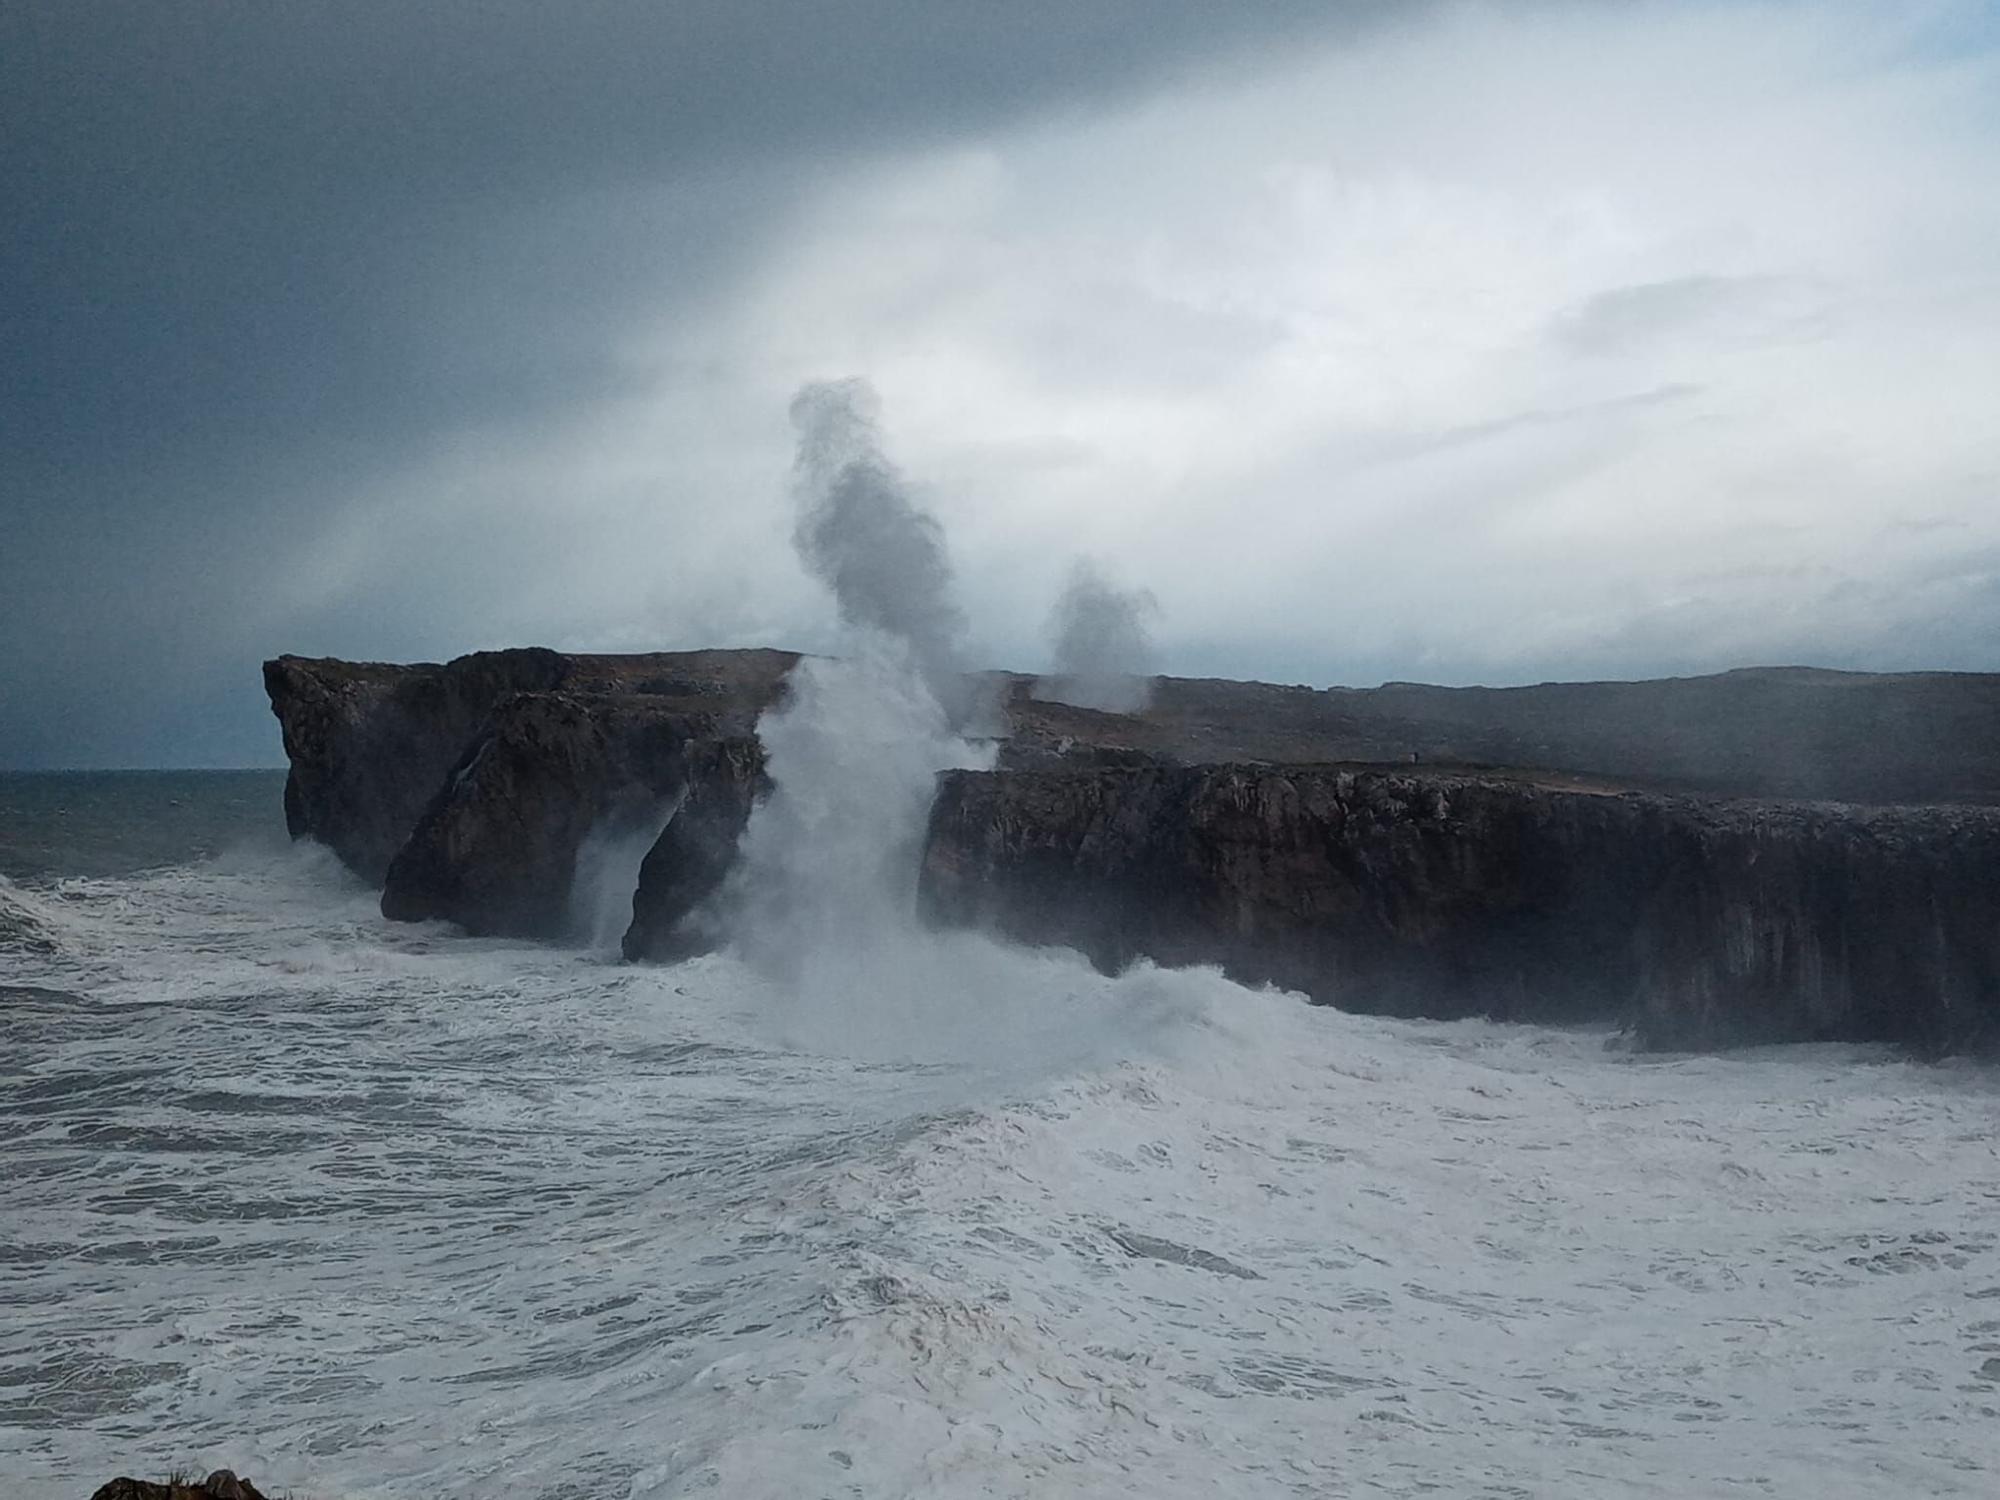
{"type": "Point", "coordinates": [1100, 644]}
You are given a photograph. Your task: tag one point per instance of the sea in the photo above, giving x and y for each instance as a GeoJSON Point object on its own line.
{"type": "Point", "coordinates": [366, 1209]}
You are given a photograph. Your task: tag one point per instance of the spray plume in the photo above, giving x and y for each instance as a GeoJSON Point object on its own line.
{"type": "Point", "coordinates": [862, 534]}
{"type": "Point", "coordinates": [822, 900]}
{"type": "Point", "coordinates": [1102, 651]}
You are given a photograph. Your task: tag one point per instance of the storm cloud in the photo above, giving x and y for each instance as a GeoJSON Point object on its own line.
{"type": "Point", "coordinates": [399, 330]}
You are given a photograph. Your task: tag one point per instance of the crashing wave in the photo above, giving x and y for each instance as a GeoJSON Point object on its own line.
{"type": "Point", "coordinates": [22, 928]}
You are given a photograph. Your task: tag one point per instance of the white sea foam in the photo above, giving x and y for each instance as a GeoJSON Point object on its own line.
{"type": "Point", "coordinates": [369, 1210]}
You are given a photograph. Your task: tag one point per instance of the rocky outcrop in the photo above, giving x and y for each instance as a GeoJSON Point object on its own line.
{"type": "Point", "coordinates": [1698, 923]}
{"type": "Point", "coordinates": [496, 849]}
{"type": "Point", "coordinates": [686, 867]}
{"type": "Point", "coordinates": [221, 1485]}
{"type": "Point", "coordinates": [370, 744]}
{"type": "Point", "coordinates": [1541, 861]}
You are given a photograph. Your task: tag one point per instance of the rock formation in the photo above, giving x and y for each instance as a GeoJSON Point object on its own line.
{"type": "Point", "coordinates": [1568, 851]}
{"type": "Point", "coordinates": [1702, 923]}
{"type": "Point", "coordinates": [221, 1485]}
{"type": "Point", "coordinates": [694, 852]}
{"type": "Point", "coordinates": [496, 848]}
{"type": "Point", "coordinates": [370, 743]}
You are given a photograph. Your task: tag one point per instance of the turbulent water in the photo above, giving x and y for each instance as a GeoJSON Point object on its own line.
{"type": "Point", "coordinates": [376, 1210]}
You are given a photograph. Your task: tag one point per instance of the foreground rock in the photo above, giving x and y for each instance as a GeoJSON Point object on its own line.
{"type": "Point", "coordinates": [1700, 924]}
{"type": "Point", "coordinates": [370, 743]}
{"type": "Point", "coordinates": [221, 1485]}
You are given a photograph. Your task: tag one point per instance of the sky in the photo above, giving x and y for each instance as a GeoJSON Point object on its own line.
{"type": "Point", "coordinates": [1457, 342]}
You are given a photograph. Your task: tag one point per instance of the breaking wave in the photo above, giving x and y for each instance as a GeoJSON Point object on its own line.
{"type": "Point", "coordinates": [356, 1207]}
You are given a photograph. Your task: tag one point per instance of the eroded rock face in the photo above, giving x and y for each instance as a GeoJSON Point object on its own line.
{"type": "Point", "coordinates": [221, 1485]}
{"type": "Point", "coordinates": [671, 917]}
{"type": "Point", "coordinates": [1209, 829]}
{"type": "Point", "coordinates": [1802, 921]}
{"type": "Point", "coordinates": [496, 849]}
{"type": "Point", "coordinates": [370, 743]}
{"type": "Point", "coordinates": [1700, 924]}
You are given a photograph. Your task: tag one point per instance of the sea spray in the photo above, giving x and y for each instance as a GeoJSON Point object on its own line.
{"type": "Point", "coordinates": [823, 901]}
{"type": "Point", "coordinates": [607, 874]}
{"type": "Point", "coordinates": [316, 1196]}
{"type": "Point", "coordinates": [1102, 650]}
{"type": "Point", "coordinates": [824, 898]}
{"type": "Point", "coordinates": [861, 532]}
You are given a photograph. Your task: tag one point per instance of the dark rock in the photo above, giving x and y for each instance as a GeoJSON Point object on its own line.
{"type": "Point", "coordinates": [370, 743]}
{"type": "Point", "coordinates": [693, 854]}
{"type": "Point", "coordinates": [1775, 732]}
{"type": "Point", "coordinates": [1700, 924]}
{"type": "Point", "coordinates": [1802, 921]}
{"type": "Point", "coordinates": [221, 1485]}
{"type": "Point", "coordinates": [497, 848]}
{"type": "Point", "coordinates": [1540, 864]}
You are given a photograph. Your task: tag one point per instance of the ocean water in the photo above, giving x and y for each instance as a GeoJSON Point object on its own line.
{"type": "Point", "coordinates": [368, 1210]}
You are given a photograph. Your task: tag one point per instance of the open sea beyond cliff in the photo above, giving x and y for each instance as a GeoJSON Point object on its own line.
{"type": "Point", "coordinates": [373, 1209]}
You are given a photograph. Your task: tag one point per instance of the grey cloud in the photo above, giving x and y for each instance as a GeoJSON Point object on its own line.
{"type": "Point", "coordinates": [1405, 446]}
{"type": "Point", "coordinates": [257, 255]}
{"type": "Point", "coordinates": [1745, 309]}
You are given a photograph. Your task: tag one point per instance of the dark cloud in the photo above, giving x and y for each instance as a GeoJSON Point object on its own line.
{"type": "Point", "coordinates": [254, 251]}
{"type": "Point", "coordinates": [238, 212]}
{"type": "Point", "coordinates": [400, 329]}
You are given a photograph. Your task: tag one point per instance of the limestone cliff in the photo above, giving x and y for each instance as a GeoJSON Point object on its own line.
{"type": "Point", "coordinates": [694, 852]}
{"type": "Point", "coordinates": [1698, 923]}
{"type": "Point", "coordinates": [1546, 869]}
{"type": "Point", "coordinates": [497, 848]}
{"type": "Point", "coordinates": [371, 744]}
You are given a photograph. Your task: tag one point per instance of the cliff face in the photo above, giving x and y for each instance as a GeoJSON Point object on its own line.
{"type": "Point", "coordinates": [370, 743]}
{"type": "Point", "coordinates": [497, 847]}
{"type": "Point", "coordinates": [1211, 829]}
{"type": "Point", "coordinates": [1781, 922]}
{"type": "Point", "coordinates": [694, 852]}
{"type": "Point", "coordinates": [1698, 923]}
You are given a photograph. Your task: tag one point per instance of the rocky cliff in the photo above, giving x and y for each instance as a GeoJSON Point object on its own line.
{"type": "Point", "coordinates": [695, 850]}
{"type": "Point", "coordinates": [468, 787]}
{"type": "Point", "coordinates": [1698, 923]}
{"type": "Point", "coordinates": [369, 742]}
{"type": "Point", "coordinates": [496, 849]}
{"type": "Point", "coordinates": [1540, 860]}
